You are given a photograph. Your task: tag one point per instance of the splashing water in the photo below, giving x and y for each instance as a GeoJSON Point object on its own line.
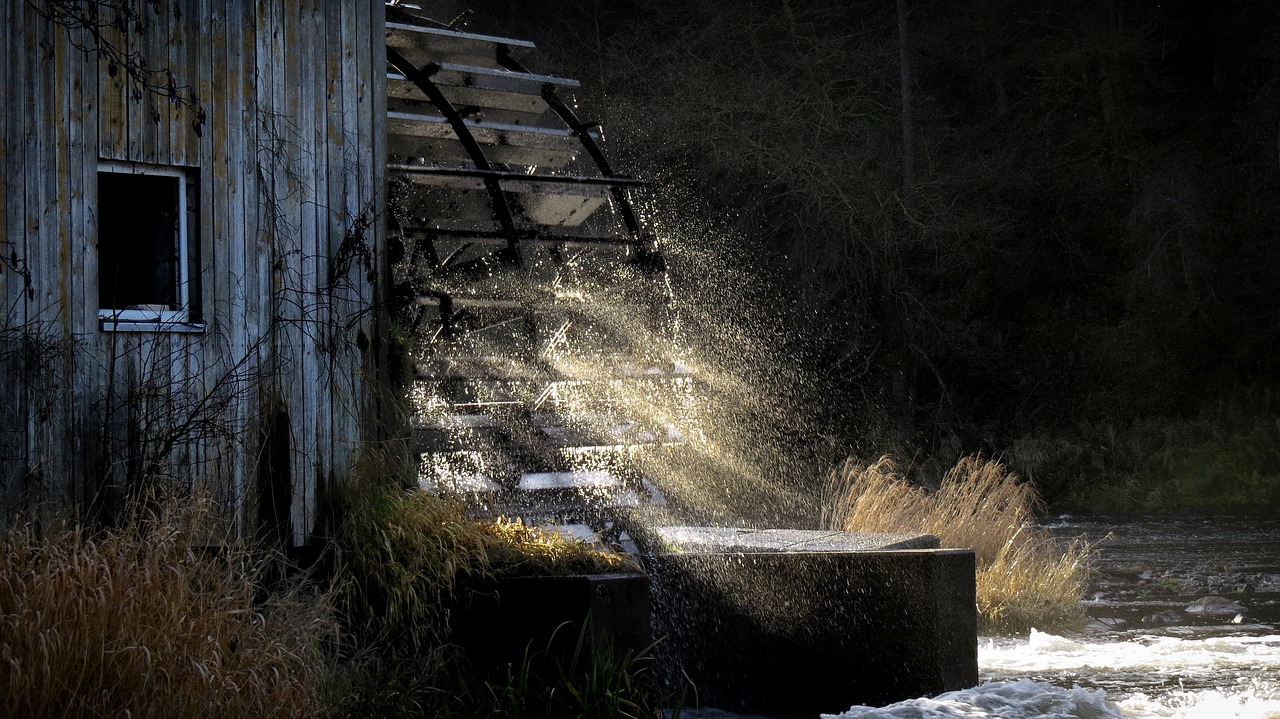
{"type": "Point", "coordinates": [1199, 668]}
{"type": "Point", "coordinates": [683, 382]}
{"type": "Point", "coordinates": [1154, 676]}
{"type": "Point", "coordinates": [1005, 700]}
{"type": "Point", "coordinates": [1151, 676]}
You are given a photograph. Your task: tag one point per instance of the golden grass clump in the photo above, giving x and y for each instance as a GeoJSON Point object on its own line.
{"type": "Point", "coordinates": [401, 553]}
{"type": "Point", "coordinates": [516, 548]}
{"type": "Point", "coordinates": [134, 622]}
{"type": "Point", "coordinates": [1024, 577]}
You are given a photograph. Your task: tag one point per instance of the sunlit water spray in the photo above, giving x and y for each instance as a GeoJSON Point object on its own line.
{"type": "Point", "coordinates": [627, 383]}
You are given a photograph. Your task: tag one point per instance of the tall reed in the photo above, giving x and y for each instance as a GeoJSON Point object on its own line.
{"type": "Point", "coordinates": [1024, 576]}
{"type": "Point", "coordinates": [137, 623]}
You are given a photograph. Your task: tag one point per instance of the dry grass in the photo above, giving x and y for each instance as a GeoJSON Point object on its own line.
{"type": "Point", "coordinates": [1033, 582]}
{"type": "Point", "coordinates": [1024, 576]}
{"type": "Point", "coordinates": [516, 548]}
{"type": "Point", "coordinates": [401, 553]}
{"type": "Point", "coordinates": [136, 623]}
{"type": "Point", "coordinates": [400, 556]}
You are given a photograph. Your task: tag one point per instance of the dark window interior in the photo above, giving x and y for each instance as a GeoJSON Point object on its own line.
{"type": "Point", "coordinates": [137, 240]}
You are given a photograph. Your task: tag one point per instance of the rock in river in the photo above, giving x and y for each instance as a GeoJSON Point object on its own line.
{"type": "Point", "coordinates": [1214, 605]}
{"type": "Point", "coordinates": [1164, 618]}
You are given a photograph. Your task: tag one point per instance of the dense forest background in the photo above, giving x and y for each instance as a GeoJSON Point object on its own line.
{"type": "Point", "coordinates": [1054, 243]}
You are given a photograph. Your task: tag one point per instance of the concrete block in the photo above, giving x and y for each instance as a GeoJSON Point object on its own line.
{"type": "Point", "coordinates": [741, 539]}
{"type": "Point", "coordinates": [496, 622]}
{"type": "Point", "coordinates": [795, 633]}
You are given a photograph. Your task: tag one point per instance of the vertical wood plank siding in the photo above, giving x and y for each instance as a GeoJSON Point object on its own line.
{"type": "Point", "coordinates": [288, 162]}
{"type": "Point", "coordinates": [12, 411]}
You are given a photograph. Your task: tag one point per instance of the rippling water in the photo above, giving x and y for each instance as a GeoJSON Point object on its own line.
{"type": "Point", "coordinates": [1146, 652]}
{"type": "Point", "coordinates": [1147, 676]}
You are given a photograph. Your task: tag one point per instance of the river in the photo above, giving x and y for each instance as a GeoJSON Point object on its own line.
{"type": "Point", "coordinates": [1158, 643]}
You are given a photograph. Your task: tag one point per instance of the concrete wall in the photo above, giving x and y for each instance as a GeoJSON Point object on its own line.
{"type": "Point", "coordinates": [786, 634]}
{"type": "Point", "coordinates": [496, 622]}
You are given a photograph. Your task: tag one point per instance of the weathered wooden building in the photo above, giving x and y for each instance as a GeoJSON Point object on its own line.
{"type": "Point", "coordinates": [191, 239]}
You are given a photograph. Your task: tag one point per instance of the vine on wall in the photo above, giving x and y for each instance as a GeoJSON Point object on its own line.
{"type": "Point", "coordinates": [88, 23]}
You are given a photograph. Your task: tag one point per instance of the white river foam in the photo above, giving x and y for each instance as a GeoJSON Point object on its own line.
{"type": "Point", "coordinates": [997, 700]}
{"type": "Point", "coordinates": [1044, 652]}
{"type": "Point", "coordinates": [1149, 676]}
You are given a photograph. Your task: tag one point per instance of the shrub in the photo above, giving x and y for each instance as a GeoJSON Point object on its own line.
{"type": "Point", "coordinates": [1024, 576]}
{"type": "Point", "coordinates": [135, 622]}
{"type": "Point", "coordinates": [401, 554]}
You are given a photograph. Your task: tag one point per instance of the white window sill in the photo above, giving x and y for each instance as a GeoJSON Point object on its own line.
{"type": "Point", "coordinates": [147, 321]}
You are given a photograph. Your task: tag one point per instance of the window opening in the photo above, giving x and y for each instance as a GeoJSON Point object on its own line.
{"type": "Point", "coordinates": [144, 248]}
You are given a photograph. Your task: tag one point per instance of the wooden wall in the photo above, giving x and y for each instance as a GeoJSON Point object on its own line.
{"type": "Point", "coordinates": [290, 159]}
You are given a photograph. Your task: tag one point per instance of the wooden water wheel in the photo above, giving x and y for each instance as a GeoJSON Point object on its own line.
{"type": "Point", "coordinates": [528, 280]}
